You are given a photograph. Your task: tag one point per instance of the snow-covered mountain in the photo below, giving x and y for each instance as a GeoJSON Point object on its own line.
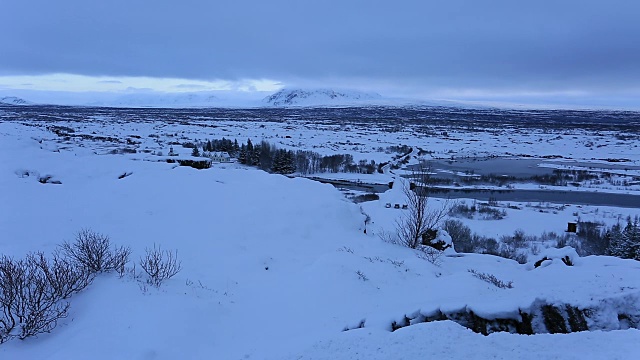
{"type": "Point", "coordinates": [13, 100]}
{"type": "Point", "coordinates": [320, 97]}
{"type": "Point", "coordinates": [154, 99]}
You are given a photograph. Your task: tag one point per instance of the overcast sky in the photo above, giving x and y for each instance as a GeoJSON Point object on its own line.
{"type": "Point", "coordinates": [470, 49]}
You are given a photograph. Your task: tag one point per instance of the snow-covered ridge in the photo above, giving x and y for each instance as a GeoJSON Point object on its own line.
{"type": "Point", "coordinates": [13, 100]}
{"type": "Point", "coordinates": [172, 100]}
{"type": "Point", "coordinates": [319, 97]}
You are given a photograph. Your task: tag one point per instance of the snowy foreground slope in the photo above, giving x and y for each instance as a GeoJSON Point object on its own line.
{"type": "Point", "coordinates": [273, 268]}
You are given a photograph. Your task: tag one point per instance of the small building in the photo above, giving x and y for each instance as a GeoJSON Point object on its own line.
{"type": "Point", "coordinates": [572, 227]}
{"type": "Point", "coordinates": [220, 156]}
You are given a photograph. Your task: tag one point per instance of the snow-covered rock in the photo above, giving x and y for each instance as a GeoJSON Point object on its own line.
{"type": "Point", "coordinates": [319, 97]}
{"type": "Point", "coordinates": [552, 256]}
{"type": "Point", "coordinates": [443, 237]}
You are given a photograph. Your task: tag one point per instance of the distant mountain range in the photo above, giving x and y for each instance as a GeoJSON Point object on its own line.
{"type": "Point", "coordinates": [203, 99]}
{"type": "Point", "coordinates": [297, 97]}
{"type": "Point", "coordinates": [320, 97]}
{"type": "Point", "coordinates": [12, 100]}
{"type": "Point", "coordinates": [282, 98]}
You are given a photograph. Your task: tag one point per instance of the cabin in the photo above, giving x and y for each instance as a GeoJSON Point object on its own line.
{"type": "Point", "coordinates": [220, 157]}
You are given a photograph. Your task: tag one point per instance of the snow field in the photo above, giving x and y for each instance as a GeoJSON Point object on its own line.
{"type": "Point", "coordinates": [273, 268]}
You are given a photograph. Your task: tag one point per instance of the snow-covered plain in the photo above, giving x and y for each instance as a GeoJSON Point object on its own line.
{"type": "Point", "coordinates": [277, 268]}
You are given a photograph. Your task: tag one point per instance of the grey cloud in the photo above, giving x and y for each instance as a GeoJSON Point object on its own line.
{"type": "Point", "coordinates": [109, 82]}
{"type": "Point", "coordinates": [189, 86]}
{"type": "Point", "coordinates": [535, 44]}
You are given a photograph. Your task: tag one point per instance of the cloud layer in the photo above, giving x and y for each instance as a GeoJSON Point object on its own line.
{"type": "Point", "coordinates": [561, 45]}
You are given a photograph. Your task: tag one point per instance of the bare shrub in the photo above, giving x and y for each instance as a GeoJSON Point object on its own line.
{"type": "Point", "coordinates": [430, 254]}
{"type": "Point", "coordinates": [64, 276]}
{"type": "Point", "coordinates": [490, 213]}
{"type": "Point", "coordinates": [31, 295]}
{"type": "Point", "coordinates": [362, 276]}
{"type": "Point", "coordinates": [461, 209]}
{"type": "Point", "coordinates": [485, 211]}
{"type": "Point", "coordinates": [160, 265]}
{"type": "Point", "coordinates": [93, 251]}
{"type": "Point", "coordinates": [518, 241]}
{"type": "Point", "coordinates": [419, 218]}
{"type": "Point", "coordinates": [484, 244]}
{"type": "Point", "coordinates": [460, 235]}
{"type": "Point", "coordinates": [119, 259]}
{"type": "Point", "coordinates": [491, 279]}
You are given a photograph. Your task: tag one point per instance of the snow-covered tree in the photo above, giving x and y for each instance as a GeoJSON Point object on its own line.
{"type": "Point", "coordinates": [625, 243]}
{"type": "Point", "coordinates": [283, 162]}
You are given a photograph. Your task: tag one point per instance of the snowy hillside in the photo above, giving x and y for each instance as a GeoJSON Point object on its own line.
{"type": "Point", "coordinates": [281, 268]}
{"type": "Point", "coordinates": [12, 100]}
{"type": "Point", "coordinates": [320, 97]}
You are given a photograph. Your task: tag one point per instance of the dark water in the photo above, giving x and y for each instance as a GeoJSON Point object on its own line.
{"type": "Point", "coordinates": [519, 168]}
{"type": "Point", "coordinates": [513, 167]}
{"type": "Point", "coordinates": [551, 196]}
{"type": "Point", "coordinates": [534, 196]}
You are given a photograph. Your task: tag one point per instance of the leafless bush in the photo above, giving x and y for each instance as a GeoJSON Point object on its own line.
{"type": "Point", "coordinates": [32, 291]}
{"type": "Point", "coordinates": [362, 276]}
{"type": "Point", "coordinates": [485, 211]}
{"type": "Point", "coordinates": [389, 237]}
{"type": "Point", "coordinates": [119, 259]}
{"type": "Point", "coordinates": [491, 279]}
{"type": "Point", "coordinates": [160, 265]}
{"type": "Point", "coordinates": [430, 254]}
{"type": "Point", "coordinates": [460, 235]}
{"type": "Point", "coordinates": [64, 276]}
{"type": "Point", "coordinates": [420, 217]}
{"type": "Point", "coordinates": [93, 251]}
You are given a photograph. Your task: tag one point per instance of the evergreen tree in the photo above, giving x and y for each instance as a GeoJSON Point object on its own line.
{"type": "Point", "coordinates": [289, 162]}
{"type": "Point", "coordinates": [250, 153]}
{"type": "Point", "coordinates": [625, 243]}
{"type": "Point", "coordinates": [195, 151]}
{"type": "Point", "coordinates": [283, 162]}
{"type": "Point", "coordinates": [631, 239]}
{"type": "Point", "coordinates": [242, 154]}
{"type": "Point", "coordinates": [255, 156]}
{"type": "Point", "coordinates": [266, 155]}
{"type": "Point", "coordinates": [277, 165]}
{"type": "Point", "coordinates": [614, 236]}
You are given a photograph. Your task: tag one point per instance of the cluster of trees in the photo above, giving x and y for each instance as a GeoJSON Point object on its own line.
{"type": "Point", "coordinates": [223, 144]}
{"type": "Point", "coordinates": [624, 242]}
{"type": "Point", "coordinates": [270, 158]}
{"type": "Point", "coordinates": [562, 177]}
